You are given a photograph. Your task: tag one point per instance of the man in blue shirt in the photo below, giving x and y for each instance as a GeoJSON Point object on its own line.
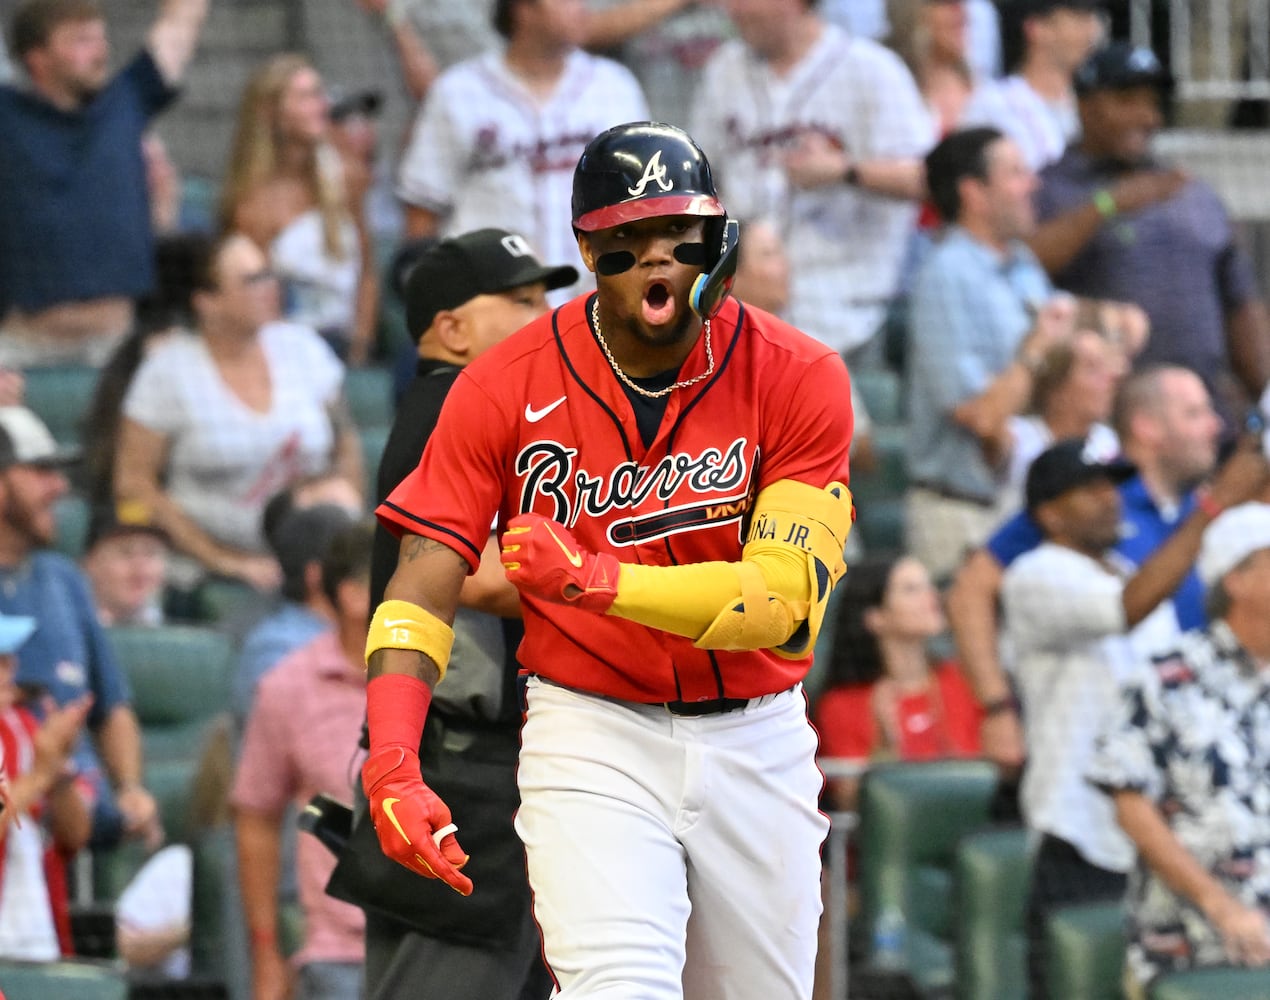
{"type": "Point", "coordinates": [75, 241]}
{"type": "Point", "coordinates": [1169, 430]}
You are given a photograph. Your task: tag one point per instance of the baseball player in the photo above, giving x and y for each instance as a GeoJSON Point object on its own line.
{"type": "Point", "coordinates": [670, 469]}
{"type": "Point", "coordinates": [498, 135]}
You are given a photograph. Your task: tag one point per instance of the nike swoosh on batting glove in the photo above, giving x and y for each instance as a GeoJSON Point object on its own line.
{"type": "Point", "coordinates": [408, 815]}
{"type": "Point", "coordinates": [543, 559]}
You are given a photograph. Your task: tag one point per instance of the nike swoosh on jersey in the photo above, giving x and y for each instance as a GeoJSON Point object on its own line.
{"type": "Point", "coordinates": [387, 807]}
{"type": "Point", "coordinates": [394, 622]}
{"type": "Point", "coordinates": [575, 558]}
{"type": "Point", "coordinates": [533, 416]}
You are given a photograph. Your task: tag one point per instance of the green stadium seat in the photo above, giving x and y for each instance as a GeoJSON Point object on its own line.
{"type": "Point", "coordinates": [1086, 952]}
{"type": "Point", "coordinates": [73, 514]}
{"type": "Point", "coordinates": [373, 441]}
{"type": "Point", "coordinates": [912, 816]}
{"type": "Point", "coordinates": [882, 392]}
{"type": "Point", "coordinates": [879, 495]}
{"type": "Point", "coordinates": [369, 392]}
{"type": "Point", "coordinates": [60, 395]}
{"type": "Point", "coordinates": [62, 981]}
{"type": "Point", "coordinates": [218, 600]}
{"type": "Point", "coordinates": [990, 885]}
{"type": "Point", "coordinates": [1206, 984]}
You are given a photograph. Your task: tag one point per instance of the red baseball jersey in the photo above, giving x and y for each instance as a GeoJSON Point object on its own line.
{"type": "Point", "coordinates": [540, 423]}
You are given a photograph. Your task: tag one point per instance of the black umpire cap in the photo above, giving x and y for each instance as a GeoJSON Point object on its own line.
{"type": "Point", "coordinates": [482, 262]}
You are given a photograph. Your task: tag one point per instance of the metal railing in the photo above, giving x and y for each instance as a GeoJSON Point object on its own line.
{"type": "Point", "coordinates": [842, 825]}
{"type": "Point", "coordinates": [1218, 49]}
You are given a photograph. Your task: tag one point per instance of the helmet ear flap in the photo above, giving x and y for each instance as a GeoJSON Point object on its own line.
{"type": "Point", "coordinates": [713, 286]}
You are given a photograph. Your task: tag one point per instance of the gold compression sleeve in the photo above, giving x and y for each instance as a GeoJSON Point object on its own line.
{"type": "Point", "coordinates": [790, 562]}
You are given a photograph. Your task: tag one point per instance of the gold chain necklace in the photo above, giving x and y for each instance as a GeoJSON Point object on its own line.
{"type": "Point", "coordinates": [626, 379]}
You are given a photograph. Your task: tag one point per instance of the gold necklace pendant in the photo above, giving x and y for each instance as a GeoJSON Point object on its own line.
{"type": "Point", "coordinates": [628, 381]}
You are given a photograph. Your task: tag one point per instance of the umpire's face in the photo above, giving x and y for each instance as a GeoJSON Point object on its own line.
{"type": "Point", "coordinates": [648, 296]}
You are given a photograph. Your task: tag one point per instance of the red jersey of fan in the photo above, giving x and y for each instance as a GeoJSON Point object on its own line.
{"type": "Point", "coordinates": [540, 423]}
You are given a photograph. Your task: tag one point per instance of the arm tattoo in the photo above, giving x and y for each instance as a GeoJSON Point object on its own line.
{"type": "Point", "coordinates": [415, 546]}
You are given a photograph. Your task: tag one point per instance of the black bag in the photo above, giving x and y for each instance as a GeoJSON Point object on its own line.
{"type": "Point", "coordinates": [473, 770]}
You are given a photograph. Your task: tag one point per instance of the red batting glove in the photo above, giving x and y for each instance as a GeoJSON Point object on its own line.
{"type": "Point", "coordinates": [408, 815]}
{"type": "Point", "coordinates": [542, 558]}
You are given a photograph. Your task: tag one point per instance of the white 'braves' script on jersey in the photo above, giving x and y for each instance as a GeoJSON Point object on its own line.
{"type": "Point", "coordinates": [654, 170]}
{"type": "Point", "coordinates": [486, 152]}
{"type": "Point", "coordinates": [846, 246]}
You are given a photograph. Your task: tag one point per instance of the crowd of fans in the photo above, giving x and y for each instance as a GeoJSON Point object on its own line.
{"type": "Point", "coordinates": [965, 204]}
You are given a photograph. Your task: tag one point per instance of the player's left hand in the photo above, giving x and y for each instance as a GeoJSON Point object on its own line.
{"type": "Point", "coordinates": [542, 558]}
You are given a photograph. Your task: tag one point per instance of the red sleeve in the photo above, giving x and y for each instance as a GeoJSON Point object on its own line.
{"type": "Point", "coordinates": [811, 425]}
{"type": "Point", "coordinates": [962, 712]}
{"type": "Point", "coordinates": [844, 720]}
{"type": "Point", "coordinates": [454, 493]}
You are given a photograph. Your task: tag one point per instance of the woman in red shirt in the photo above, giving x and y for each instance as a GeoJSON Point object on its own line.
{"type": "Point", "coordinates": [885, 698]}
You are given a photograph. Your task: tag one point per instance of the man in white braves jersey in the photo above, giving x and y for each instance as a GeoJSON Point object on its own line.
{"type": "Point", "coordinates": [823, 132]}
{"type": "Point", "coordinates": [1035, 105]}
{"type": "Point", "coordinates": [498, 137]}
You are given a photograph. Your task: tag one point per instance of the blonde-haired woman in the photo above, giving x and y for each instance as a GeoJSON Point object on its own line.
{"type": "Point", "coordinates": [287, 189]}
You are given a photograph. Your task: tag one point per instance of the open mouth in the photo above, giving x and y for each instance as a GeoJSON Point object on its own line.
{"type": "Point", "coordinates": [659, 303]}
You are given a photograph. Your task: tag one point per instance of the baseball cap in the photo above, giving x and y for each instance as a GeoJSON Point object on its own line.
{"type": "Point", "coordinates": [353, 102]}
{"type": "Point", "coordinates": [1120, 66]}
{"type": "Point", "coordinates": [481, 262]}
{"type": "Point", "coordinates": [14, 631]}
{"type": "Point", "coordinates": [1234, 535]}
{"type": "Point", "coordinates": [1067, 465]}
{"type": "Point", "coordinates": [125, 517]}
{"type": "Point", "coordinates": [25, 440]}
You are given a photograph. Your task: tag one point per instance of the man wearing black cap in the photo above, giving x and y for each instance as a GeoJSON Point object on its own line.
{"type": "Point", "coordinates": [1046, 42]}
{"type": "Point", "coordinates": [463, 296]}
{"type": "Point", "coordinates": [1081, 626]}
{"type": "Point", "coordinates": [1118, 224]}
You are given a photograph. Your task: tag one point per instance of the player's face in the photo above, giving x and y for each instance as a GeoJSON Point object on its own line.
{"type": "Point", "coordinates": [30, 493]}
{"type": "Point", "coordinates": [650, 298]}
{"type": "Point", "coordinates": [490, 319]}
{"type": "Point", "coordinates": [1120, 124]}
{"type": "Point", "coordinates": [910, 607]}
{"type": "Point", "coordinates": [303, 108]}
{"type": "Point", "coordinates": [78, 56]}
{"type": "Point", "coordinates": [1009, 189]}
{"type": "Point", "coordinates": [1188, 426]}
{"type": "Point", "coordinates": [762, 279]}
{"type": "Point", "coordinates": [126, 571]}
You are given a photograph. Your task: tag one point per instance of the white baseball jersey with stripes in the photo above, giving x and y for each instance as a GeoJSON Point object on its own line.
{"type": "Point", "coordinates": [845, 245]}
{"type": "Point", "coordinates": [486, 152]}
{"type": "Point", "coordinates": [1042, 129]}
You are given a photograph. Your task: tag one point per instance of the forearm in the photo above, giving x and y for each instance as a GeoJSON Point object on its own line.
{"type": "Point", "coordinates": [259, 866]}
{"type": "Point", "coordinates": [174, 36]}
{"type": "Point", "coordinates": [419, 66]}
{"type": "Point", "coordinates": [429, 576]}
{"type": "Point", "coordinates": [1057, 242]}
{"type": "Point", "coordinates": [366, 303]}
{"type": "Point", "coordinates": [70, 820]}
{"type": "Point", "coordinates": [972, 615]}
{"type": "Point", "coordinates": [987, 414]}
{"type": "Point", "coordinates": [119, 744]}
{"type": "Point", "coordinates": [901, 178]}
{"type": "Point", "coordinates": [1248, 342]}
{"type": "Point", "coordinates": [614, 25]}
{"type": "Point", "coordinates": [1165, 570]}
{"type": "Point", "coordinates": [184, 534]}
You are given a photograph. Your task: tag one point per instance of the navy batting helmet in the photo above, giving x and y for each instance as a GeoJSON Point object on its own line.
{"type": "Point", "coordinates": [640, 170]}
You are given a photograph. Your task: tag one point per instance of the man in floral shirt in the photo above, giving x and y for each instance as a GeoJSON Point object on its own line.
{"type": "Point", "coordinates": [1188, 764]}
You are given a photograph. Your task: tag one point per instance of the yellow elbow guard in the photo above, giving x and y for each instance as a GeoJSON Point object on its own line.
{"type": "Point", "coordinates": [402, 625]}
{"type": "Point", "coordinates": [791, 562]}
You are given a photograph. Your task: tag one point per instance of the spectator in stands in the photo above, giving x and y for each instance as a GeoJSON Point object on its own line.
{"type": "Point", "coordinates": [299, 541]}
{"type": "Point", "coordinates": [885, 699]}
{"type": "Point", "coordinates": [287, 188]}
{"type": "Point", "coordinates": [170, 212]}
{"type": "Point", "coordinates": [217, 422]}
{"type": "Point", "coordinates": [983, 316]}
{"type": "Point", "coordinates": [824, 131]}
{"type": "Point", "coordinates": [1185, 765]}
{"type": "Point", "coordinates": [125, 560]}
{"type": "Point", "coordinates": [1116, 223]}
{"type": "Point", "coordinates": [1168, 429]}
{"type": "Point", "coordinates": [164, 311]}
{"type": "Point", "coordinates": [44, 794]}
{"type": "Point", "coordinates": [69, 655]}
{"type": "Point", "coordinates": [1068, 610]}
{"type": "Point", "coordinates": [356, 137]}
{"type": "Point", "coordinates": [1035, 105]}
{"type": "Point", "coordinates": [75, 236]}
{"type": "Point", "coordinates": [301, 741]}
{"type": "Point", "coordinates": [935, 47]}
{"type": "Point", "coordinates": [498, 137]}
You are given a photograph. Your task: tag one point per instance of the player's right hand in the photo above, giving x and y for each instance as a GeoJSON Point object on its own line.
{"type": "Point", "coordinates": [408, 815]}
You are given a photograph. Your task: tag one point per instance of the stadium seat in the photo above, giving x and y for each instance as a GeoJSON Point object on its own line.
{"type": "Point", "coordinates": [990, 886]}
{"type": "Point", "coordinates": [72, 514]}
{"type": "Point", "coordinates": [879, 495]}
{"type": "Point", "coordinates": [373, 441]}
{"type": "Point", "coordinates": [59, 396]}
{"type": "Point", "coordinates": [218, 600]}
{"type": "Point", "coordinates": [912, 816]}
{"type": "Point", "coordinates": [370, 396]}
{"type": "Point", "coordinates": [1206, 984]}
{"type": "Point", "coordinates": [881, 390]}
{"type": "Point", "coordinates": [61, 981]}
{"type": "Point", "coordinates": [1086, 952]}
{"type": "Point", "coordinates": [179, 675]}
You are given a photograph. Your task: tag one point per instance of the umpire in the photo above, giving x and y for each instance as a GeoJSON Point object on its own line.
{"type": "Point", "coordinates": [463, 296]}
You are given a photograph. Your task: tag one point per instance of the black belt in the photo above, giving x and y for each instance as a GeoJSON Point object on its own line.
{"type": "Point", "coordinates": [713, 707]}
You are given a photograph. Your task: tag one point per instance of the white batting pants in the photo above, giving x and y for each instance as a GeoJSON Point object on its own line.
{"type": "Point", "coordinates": [672, 857]}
